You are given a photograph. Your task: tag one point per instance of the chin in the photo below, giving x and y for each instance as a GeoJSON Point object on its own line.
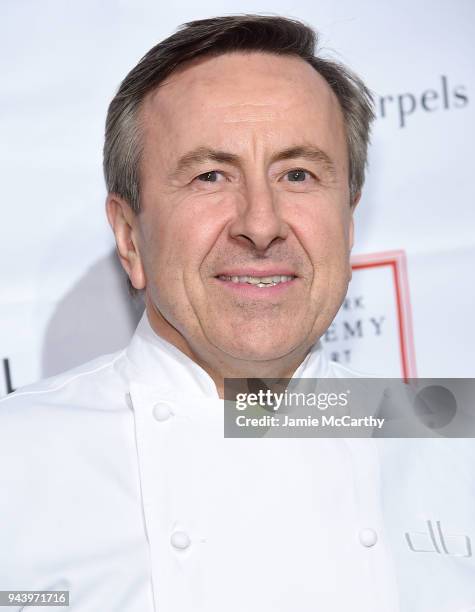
{"type": "Point", "coordinates": [256, 349]}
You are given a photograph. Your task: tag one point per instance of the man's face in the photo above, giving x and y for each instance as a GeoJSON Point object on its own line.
{"type": "Point", "coordinates": [244, 173]}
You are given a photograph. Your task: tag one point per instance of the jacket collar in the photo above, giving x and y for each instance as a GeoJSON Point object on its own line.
{"type": "Point", "coordinates": [158, 363]}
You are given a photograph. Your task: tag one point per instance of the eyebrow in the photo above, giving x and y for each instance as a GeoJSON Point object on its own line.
{"type": "Point", "coordinates": [203, 154]}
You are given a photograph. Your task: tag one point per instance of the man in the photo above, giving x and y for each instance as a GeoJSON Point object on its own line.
{"type": "Point", "coordinates": [234, 159]}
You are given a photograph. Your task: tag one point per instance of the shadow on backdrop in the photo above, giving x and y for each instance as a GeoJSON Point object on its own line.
{"type": "Point", "coordinates": [95, 317]}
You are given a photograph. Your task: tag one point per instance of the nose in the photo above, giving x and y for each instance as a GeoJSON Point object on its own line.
{"type": "Point", "coordinates": [258, 219]}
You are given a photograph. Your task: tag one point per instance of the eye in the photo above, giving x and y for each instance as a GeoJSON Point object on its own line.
{"type": "Point", "coordinates": [209, 177]}
{"type": "Point", "coordinates": [298, 175]}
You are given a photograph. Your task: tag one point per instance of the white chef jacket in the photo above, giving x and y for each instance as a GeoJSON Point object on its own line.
{"type": "Point", "coordinates": [118, 485]}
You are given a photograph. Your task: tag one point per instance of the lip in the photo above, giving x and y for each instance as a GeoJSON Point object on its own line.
{"type": "Point", "coordinates": [247, 290]}
{"type": "Point", "coordinates": [256, 272]}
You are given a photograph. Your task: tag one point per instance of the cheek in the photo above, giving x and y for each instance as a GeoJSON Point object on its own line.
{"type": "Point", "coordinates": [178, 240]}
{"type": "Point", "coordinates": [324, 233]}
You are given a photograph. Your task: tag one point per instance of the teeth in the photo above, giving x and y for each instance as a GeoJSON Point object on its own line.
{"type": "Point", "coordinates": [259, 281]}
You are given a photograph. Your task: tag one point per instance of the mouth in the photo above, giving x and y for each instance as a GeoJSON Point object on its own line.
{"type": "Point", "coordinates": [254, 285]}
{"type": "Point", "coordinates": [258, 281]}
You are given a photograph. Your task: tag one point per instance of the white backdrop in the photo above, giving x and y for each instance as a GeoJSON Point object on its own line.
{"type": "Point", "coordinates": [63, 296]}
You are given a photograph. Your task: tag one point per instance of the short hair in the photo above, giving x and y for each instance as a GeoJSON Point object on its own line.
{"type": "Point", "coordinates": [217, 36]}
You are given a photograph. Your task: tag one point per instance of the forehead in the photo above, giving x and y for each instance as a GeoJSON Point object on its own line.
{"type": "Point", "coordinates": [238, 95]}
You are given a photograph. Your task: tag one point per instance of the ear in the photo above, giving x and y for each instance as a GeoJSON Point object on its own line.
{"type": "Point", "coordinates": [351, 232]}
{"type": "Point", "coordinates": [123, 222]}
{"type": "Point", "coordinates": [351, 229]}
{"type": "Point", "coordinates": [353, 205]}
{"type": "Point", "coordinates": [355, 200]}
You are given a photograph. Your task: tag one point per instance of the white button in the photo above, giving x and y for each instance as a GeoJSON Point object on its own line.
{"type": "Point", "coordinates": [162, 411]}
{"type": "Point", "coordinates": [368, 537]}
{"type": "Point", "coordinates": [180, 540]}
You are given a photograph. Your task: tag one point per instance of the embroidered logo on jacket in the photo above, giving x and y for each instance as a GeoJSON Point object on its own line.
{"type": "Point", "coordinates": [434, 540]}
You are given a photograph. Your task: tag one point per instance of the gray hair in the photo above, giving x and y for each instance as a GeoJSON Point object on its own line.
{"type": "Point", "coordinates": [216, 36]}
